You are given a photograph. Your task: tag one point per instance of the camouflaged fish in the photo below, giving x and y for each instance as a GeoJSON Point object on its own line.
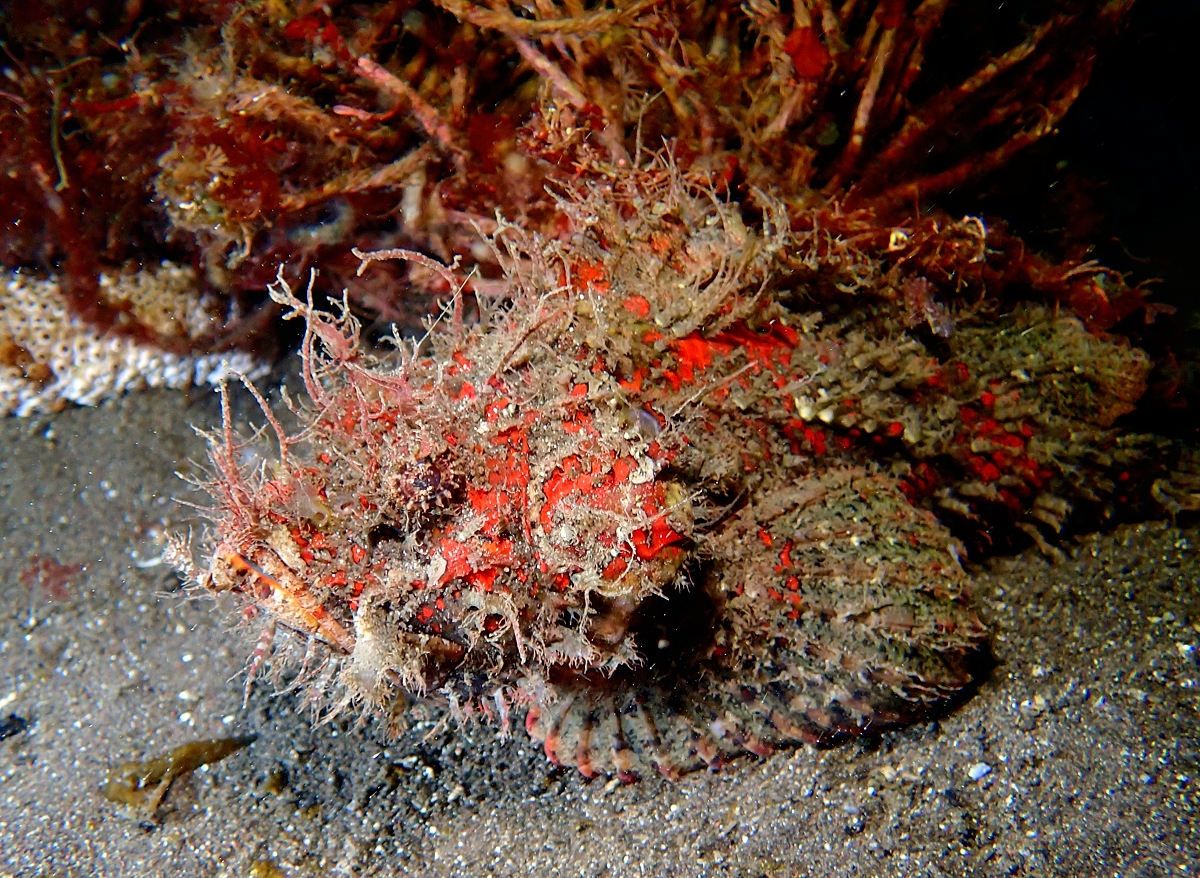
{"type": "Point", "coordinates": [654, 505]}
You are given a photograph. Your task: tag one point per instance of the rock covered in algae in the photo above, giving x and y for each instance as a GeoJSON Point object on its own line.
{"type": "Point", "coordinates": [50, 357]}
{"type": "Point", "coordinates": [650, 502]}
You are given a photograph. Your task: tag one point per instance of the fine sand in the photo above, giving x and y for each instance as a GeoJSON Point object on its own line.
{"type": "Point", "coordinates": [1078, 754]}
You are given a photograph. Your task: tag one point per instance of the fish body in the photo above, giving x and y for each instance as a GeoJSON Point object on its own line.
{"type": "Point", "coordinates": [651, 502]}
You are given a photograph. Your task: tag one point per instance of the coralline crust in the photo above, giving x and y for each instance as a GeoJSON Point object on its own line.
{"type": "Point", "coordinates": [49, 357]}
{"type": "Point", "coordinates": [641, 500]}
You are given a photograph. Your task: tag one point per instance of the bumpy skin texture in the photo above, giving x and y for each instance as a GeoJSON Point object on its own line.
{"type": "Point", "coordinates": [641, 500]}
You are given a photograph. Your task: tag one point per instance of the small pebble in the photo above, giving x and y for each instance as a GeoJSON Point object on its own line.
{"type": "Point", "coordinates": [979, 770]}
{"type": "Point", "coordinates": [14, 725]}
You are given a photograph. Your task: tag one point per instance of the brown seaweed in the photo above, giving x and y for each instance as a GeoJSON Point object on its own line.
{"type": "Point", "coordinates": [142, 786]}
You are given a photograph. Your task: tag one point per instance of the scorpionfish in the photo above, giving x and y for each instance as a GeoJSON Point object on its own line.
{"type": "Point", "coordinates": [650, 501]}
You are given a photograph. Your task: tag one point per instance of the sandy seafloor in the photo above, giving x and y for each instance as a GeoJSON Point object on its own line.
{"type": "Point", "coordinates": [1088, 723]}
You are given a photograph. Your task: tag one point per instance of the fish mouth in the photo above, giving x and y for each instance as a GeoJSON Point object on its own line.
{"type": "Point", "coordinates": [672, 632]}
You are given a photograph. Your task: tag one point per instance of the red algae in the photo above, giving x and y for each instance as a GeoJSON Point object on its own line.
{"type": "Point", "coordinates": [232, 137]}
{"type": "Point", "coordinates": [651, 501]}
{"type": "Point", "coordinates": [50, 577]}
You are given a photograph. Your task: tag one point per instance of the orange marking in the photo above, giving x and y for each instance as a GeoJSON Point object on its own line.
{"type": "Point", "coordinates": [297, 608]}
{"type": "Point", "coordinates": [638, 306]}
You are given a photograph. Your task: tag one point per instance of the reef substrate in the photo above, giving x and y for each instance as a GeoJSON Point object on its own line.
{"type": "Point", "coordinates": [232, 137]}
{"type": "Point", "coordinates": [50, 356]}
